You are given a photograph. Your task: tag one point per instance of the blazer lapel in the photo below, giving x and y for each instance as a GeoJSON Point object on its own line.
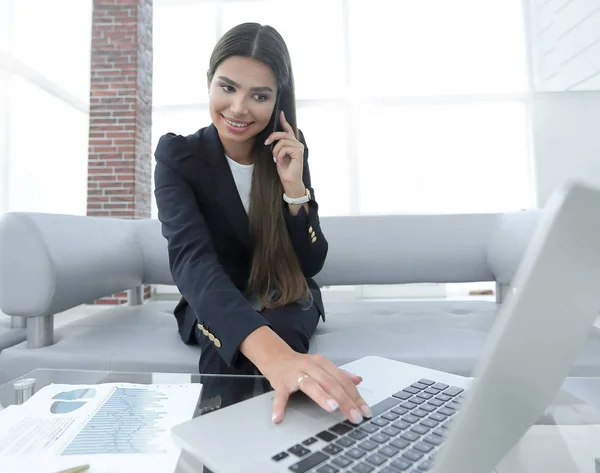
{"type": "Point", "coordinates": [223, 187]}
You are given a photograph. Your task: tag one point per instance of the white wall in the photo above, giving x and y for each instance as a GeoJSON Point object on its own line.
{"type": "Point", "coordinates": [565, 37]}
{"type": "Point", "coordinates": [566, 128]}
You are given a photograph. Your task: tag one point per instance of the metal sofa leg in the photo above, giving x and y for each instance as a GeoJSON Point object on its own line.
{"type": "Point", "coordinates": [18, 322]}
{"type": "Point", "coordinates": [135, 295]}
{"type": "Point", "coordinates": [40, 331]}
{"type": "Point", "coordinates": [501, 292]}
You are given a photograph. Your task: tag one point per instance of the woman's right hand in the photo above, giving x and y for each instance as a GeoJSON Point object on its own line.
{"type": "Point", "coordinates": [329, 386]}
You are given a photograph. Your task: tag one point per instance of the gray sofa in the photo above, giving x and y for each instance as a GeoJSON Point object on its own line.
{"type": "Point", "coordinates": [51, 263]}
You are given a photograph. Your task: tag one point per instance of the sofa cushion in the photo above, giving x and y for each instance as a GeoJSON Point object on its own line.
{"type": "Point", "coordinates": [443, 335]}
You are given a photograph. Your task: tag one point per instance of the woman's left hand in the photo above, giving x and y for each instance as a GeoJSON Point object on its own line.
{"type": "Point", "coordinates": [288, 155]}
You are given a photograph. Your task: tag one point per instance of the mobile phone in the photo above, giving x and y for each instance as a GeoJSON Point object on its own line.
{"type": "Point", "coordinates": [276, 121]}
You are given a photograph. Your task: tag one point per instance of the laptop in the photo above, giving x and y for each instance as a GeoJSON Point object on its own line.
{"type": "Point", "coordinates": [427, 420]}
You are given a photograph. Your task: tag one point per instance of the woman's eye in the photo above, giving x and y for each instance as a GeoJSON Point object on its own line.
{"type": "Point", "coordinates": [260, 97]}
{"type": "Point", "coordinates": [227, 88]}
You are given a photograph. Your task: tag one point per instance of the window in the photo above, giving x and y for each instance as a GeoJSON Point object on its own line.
{"type": "Point", "coordinates": [408, 106]}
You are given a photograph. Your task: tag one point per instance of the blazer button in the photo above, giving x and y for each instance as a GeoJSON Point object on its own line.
{"type": "Point", "coordinates": [313, 239]}
{"type": "Point", "coordinates": [200, 326]}
{"type": "Point", "coordinates": [211, 337]}
{"type": "Point", "coordinates": [217, 343]}
{"type": "Point", "coordinates": [310, 230]}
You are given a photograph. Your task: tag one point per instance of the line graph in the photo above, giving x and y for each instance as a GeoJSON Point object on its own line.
{"type": "Point", "coordinates": [129, 422]}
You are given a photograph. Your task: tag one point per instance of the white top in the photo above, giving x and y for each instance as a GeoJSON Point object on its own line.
{"type": "Point", "coordinates": [242, 175]}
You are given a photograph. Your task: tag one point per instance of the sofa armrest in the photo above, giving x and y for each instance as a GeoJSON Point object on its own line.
{"type": "Point", "coordinates": [50, 263]}
{"type": "Point", "coordinates": [508, 243]}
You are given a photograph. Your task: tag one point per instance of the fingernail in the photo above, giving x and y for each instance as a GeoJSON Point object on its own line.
{"type": "Point", "coordinates": [274, 418]}
{"type": "Point", "coordinates": [274, 159]}
{"type": "Point", "coordinates": [267, 141]}
{"type": "Point", "coordinates": [333, 406]}
{"type": "Point", "coordinates": [355, 416]}
{"type": "Point", "coordinates": [366, 411]}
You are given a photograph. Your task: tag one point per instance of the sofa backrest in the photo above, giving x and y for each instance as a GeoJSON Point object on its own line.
{"type": "Point", "coordinates": [50, 263]}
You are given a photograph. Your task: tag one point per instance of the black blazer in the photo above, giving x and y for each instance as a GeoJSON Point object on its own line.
{"type": "Point", "coordinates": [209, 242]}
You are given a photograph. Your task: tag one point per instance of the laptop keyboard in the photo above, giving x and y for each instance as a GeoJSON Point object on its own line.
{"type": "Point", "coordinates": [403, 435]}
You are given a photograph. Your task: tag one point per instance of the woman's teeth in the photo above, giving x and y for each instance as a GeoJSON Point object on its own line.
{"type": "Point", "coordinates": [236, 124]}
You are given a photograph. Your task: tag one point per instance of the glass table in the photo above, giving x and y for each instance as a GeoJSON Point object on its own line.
{"type": "Point", "coordinates": [218, 391]}
{"type": "Point", "coordinates": [576, 405]}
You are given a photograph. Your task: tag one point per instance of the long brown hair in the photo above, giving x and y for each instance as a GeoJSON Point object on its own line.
{"type": "Point", "coordinates": [276, 277]}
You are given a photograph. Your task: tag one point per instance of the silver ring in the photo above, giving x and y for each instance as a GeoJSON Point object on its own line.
{"type": "Point", "coordinates": [300, 380]}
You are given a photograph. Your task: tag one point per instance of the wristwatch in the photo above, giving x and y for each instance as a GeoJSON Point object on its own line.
{"type": "Point", "coordinates": [297, 200]}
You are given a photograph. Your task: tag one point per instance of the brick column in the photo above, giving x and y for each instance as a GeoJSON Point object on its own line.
{"type": "Point", "coordinates": [120, 155]}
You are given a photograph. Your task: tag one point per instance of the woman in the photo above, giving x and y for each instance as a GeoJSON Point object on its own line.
{"type": "Point", "coordinates": [238, 212]}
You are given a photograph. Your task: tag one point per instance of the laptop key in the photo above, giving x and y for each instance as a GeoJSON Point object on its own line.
{"type": "Point", "coordinates": [427, 407]}
{"type": "Point", "coordinates": [438, 417]}
{"type": "Point", "coordinates": [376, 459]}
{"type": "Point", "coordinates": [399, 410]}
{"type": "Point", "coordinates": [447, 412]}
{"type": "Point", "coordinates": [440, 386]}
{"type": "Point", "coordinates": [416, 400]}
{"type": "Point", "coordinates": [419, 386]}
{"type": "Point", "coordinates": [326, 436]}
{"type": "Point", "coordinates": [384, 405]}
{"type": "Point", "coordinates": [356, 453]}
{"type": "Point", "coordinates": [426, 381]}
{"type": "Point", "coordinates": [362, 468]}
{"type": "Point", "coordinates": [443, 397]}
{"type": "Point", "coordinates": [369, 428]}
{"type": "Point", "coordinates": [400, 444]}
{"type": "Point", "coordinates": [410, 418]}
{"type": "Point", "coordinates": [453, 391]}
{"type": "Point", "coordinates": [327, 469]}
{"type": "Point", "coordinates": [309, 462]}
{"type": "Point", "coordinates": [408, 405]}
{"type": "Point", "coordinates": [401, 424]}
{"type": "Point", "coordinates": [380, 422]}
{"type": "Point", "coordinates": [403, 395]}
{"type": "Point", "coordinates": [392, 431]}
{"type": "Point", "coordinates": [357, 434]}
{"type": "Point", "coordinates": [453, 405]}
{"type": "Point", "coordinates": [419, 413]}
{"type": "Point", "coordinates": [434, 440]}
{"type": "Point", "coordinates": [379, 438]}
{"type": "Point", "coordinates": [433, 391]}
{"type": "Point", "coordinates": [411, 390]}
{"type": "Point", "coordinates": [425, 466]}
{"type": "Point", "coordinates": [332, 449]}
{"type": "Point", "coordinates": [401, 464]}
{"type": "Point", "coordinates": [388, 469]}
{"type": "Point", "coordinates": [345, 442]}
{"type": "Point", "coordinates": [309, 441]}
{"type": "Point", "coordinates": [429, 423]}
{"type": "Point", "coordinates": [368, 445]}
{"type": "Point", "coordinates": [435, 403]}
{"type": "Point", "coordinates": [423, 447]}
{"type": "Point", "coordinates": [342, 461]}
{"type": "Point", "coordinates": [389, 451]}
{"type": "Point", "coordinates": [410, 436]}
{"type": "Point", "coordinates": [412, 455]}
{"type": "Point", "coordinates": [340, 429]}
{"type": "Point", "coordinates": [390, 416]}
{"type": "Point", "coordinates": [419, 429]}
{"type": "Point", "coordinates": [299, 450]}
{"type": "Point", "coordinates": [425, 396]}
{"type": "Point", "coordinates": [280, 456]}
